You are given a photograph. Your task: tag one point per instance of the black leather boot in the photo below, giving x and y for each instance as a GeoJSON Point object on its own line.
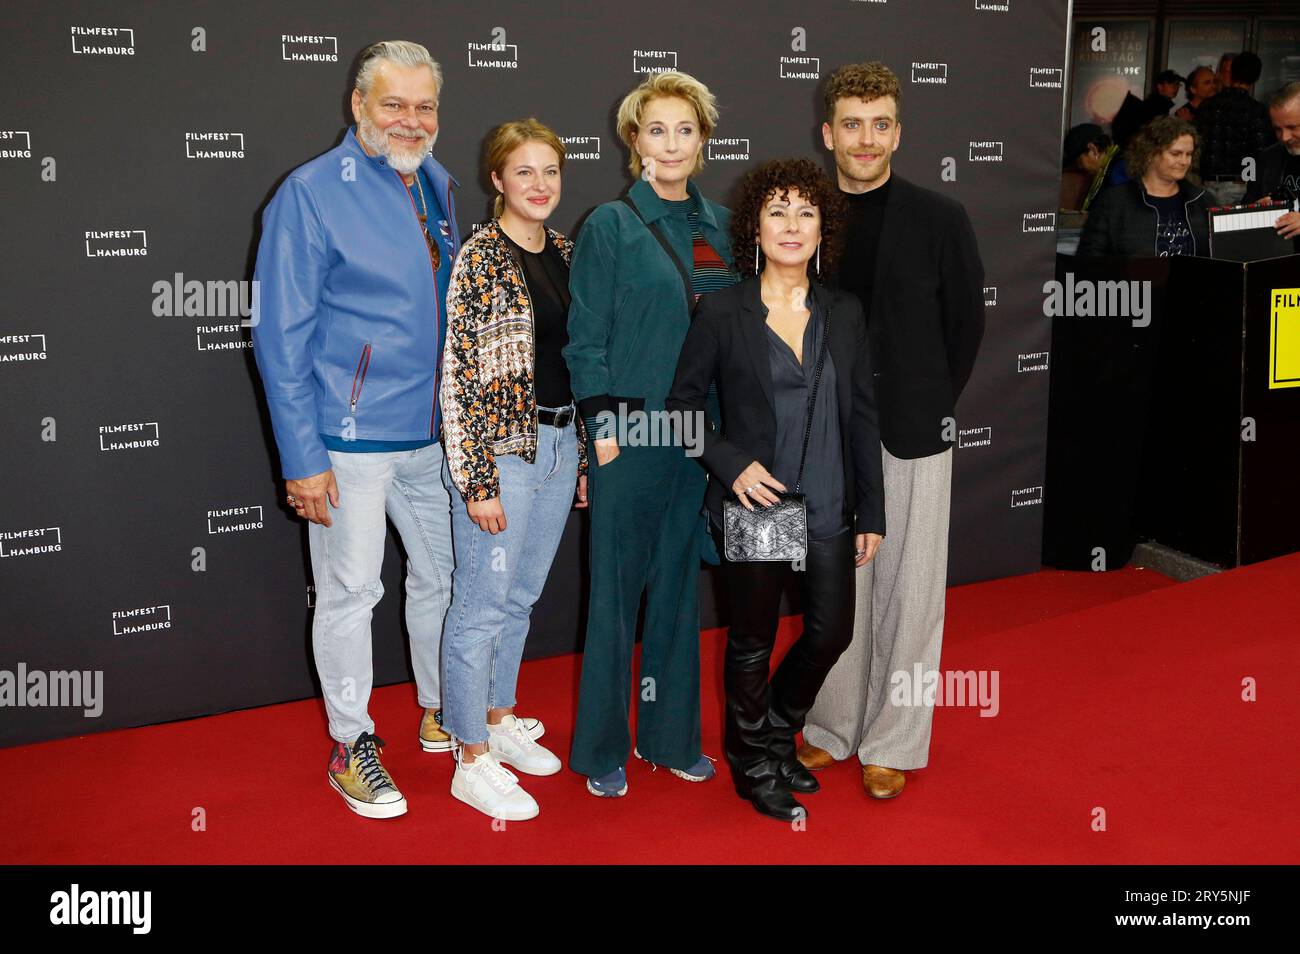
{"type": "Point", "coordinates": [781, 746]}
{"type": "Point", "coordinates": [827, 630]}
{"type": "Point", "coordinates": [760, 782]}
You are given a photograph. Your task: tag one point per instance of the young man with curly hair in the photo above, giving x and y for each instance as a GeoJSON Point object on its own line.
{"type": "Point", "coordinates": [912, 260]}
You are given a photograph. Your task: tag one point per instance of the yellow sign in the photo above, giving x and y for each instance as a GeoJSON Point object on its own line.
{"type": "Point", "coordinates": [1284, 339]}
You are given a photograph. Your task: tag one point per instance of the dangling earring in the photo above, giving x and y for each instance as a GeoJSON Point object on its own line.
{"type": "Point", "coordinates": [819, 259]}
{"type": "Point", "coordinates": [756, 258]}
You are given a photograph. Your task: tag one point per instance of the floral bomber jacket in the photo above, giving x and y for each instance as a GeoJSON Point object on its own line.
{"type": "Point", "coordinates": [488, 404]}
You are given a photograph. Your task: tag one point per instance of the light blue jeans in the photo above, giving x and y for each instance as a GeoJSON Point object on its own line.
{"type": "Point", "coordinates": [346, 558]}
{"type": "Point", "coordinates": [499, 577]}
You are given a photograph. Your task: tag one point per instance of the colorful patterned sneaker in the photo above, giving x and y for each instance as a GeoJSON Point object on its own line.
{"type": "Point", "coordinates": [356, 773]}
{"type": "Point", "coordinates": [494, 790]}
{"type": "Point", "coordinates": [613, 785]}
{"type": "Point", "coordinates": [511, 744]}
{"type": "Point", "coordinates": [701, 771]}
{"type": "Point", "coordinates": [434, 738]}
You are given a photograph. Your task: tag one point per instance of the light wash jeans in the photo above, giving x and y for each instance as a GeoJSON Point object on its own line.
{"type": "Point", "coordinates": [499, 577]}
{"type": "Point", "coordinates": [346, 558]}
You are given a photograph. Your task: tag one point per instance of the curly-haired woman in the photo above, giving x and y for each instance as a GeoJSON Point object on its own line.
{"type": "Point", "coordinates": [793, 369]}
{"type": "Point", "coordinates": [1156, 214]}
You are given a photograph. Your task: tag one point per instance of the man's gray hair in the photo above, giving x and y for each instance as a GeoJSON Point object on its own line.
{"type": "Point", "coordinates": [401, 52]}
{"type": "Point", "coordinates": [1285, 95]}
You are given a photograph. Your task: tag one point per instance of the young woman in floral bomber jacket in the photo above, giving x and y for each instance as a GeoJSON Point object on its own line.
{"type": "Point", "coordinates": [516, 452]}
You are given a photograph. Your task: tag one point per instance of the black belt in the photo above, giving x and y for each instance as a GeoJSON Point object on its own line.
{"type": "Point", "coordinates": [561, 418]}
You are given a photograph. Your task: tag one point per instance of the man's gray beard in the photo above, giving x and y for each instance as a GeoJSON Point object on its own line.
{"type": "Point", "coordinates": [405, 163]}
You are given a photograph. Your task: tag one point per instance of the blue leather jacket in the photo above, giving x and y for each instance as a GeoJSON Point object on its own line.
{"type": "Point", "coordinates": [347, 316]}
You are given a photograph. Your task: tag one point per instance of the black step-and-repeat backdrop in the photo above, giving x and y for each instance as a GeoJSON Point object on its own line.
{"type": "Point", "coordinates": [145, 554]}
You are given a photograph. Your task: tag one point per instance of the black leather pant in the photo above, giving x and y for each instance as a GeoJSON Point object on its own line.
{"type": "Point", "coordinates": [763, 717]}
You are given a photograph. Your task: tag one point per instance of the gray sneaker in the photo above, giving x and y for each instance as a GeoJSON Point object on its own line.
{"type": "Point", "coordinates": [701, 771]}
{"type": "Point", "coordinates": [613, 785]}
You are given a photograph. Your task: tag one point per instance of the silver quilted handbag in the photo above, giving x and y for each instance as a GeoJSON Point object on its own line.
{"type": "Point", "coordinates": [776, 533]}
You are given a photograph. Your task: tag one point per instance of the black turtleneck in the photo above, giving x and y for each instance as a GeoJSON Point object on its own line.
{"type": "Point", "coordinates": [857, 271]}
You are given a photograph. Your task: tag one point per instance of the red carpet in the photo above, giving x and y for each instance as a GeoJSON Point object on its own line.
{"type": "Point", "coordinates": [1118, 691]}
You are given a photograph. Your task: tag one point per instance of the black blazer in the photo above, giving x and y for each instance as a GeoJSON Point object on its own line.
{"type": "Point", "coordinates": [727, 343]}
{"type": "Point", "coordinates": [927, 316]}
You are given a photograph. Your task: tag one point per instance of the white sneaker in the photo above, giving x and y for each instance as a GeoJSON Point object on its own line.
{"type": "Point", "coordinates": [513, 744]}
{"type": "Point", "coordinates": [484, 784]}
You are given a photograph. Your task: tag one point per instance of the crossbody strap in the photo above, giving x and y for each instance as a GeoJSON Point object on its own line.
{"type": "Point", "coordinates": [659, 235]}
{"type": "Point", "coordinates": [812, 398]}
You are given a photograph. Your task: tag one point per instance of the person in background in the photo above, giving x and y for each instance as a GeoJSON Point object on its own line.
{"type": "Point", "coordinates": [637, 267]}
{"type": "Point", "coordinates": [1201, 85]}
{"type": "Point", "coordinates": [1085, 162]}
{"type": "Point", "coordinates": [1277, 168]}
{"type": "Point", "coordinates": [1232, 126]}
{"type": "Point", "coordinates": [792, 362]}
{"type": "Point", "coordinates": [515, 453]}
{"type": "Point", "coordinates": [1223, 75]}
{"type": "Point", "coordinates": [1157, 214]}
{"type": "Point", "coordinates": [1161, 98]}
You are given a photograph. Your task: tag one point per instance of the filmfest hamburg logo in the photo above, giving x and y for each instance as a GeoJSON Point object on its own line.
{"type": "Point", "coordinates": [800, 67]}
{"type": "Point", "coordinates": [19, 348]}
{"type": "Point", "coordinates": [142, 619]}
{"type": "Point", "coordinates": [986, 151]}
{"type": "Point", "coordinates": [930, 73]}
{"type": "Point", "coordinates": [974, 437]}
{"type": "Point", "coordinates": [214, 145]}
{"type": "Point", "coordinates": [114, 437]}
{"type": "Point", "coordinates": [15, 144]}
{"type": "Point", "coordinates": [1046, 77]}
{"type": "Point", "coordinates": [1038, 222]}
{"type": "Point", "coordinates": [1035, 361]}
{"type": "Point", "coordinates": [235, 519]}
{"type": "Point", "coordinates": [103, 41]}
{"type": "Point", "coordinates": [581, 147]}
{"type": "Point", "coordinates": [727, 149]}
{"type": "Point", "coordinates": [304, 48]}
{"type": "Point", "coordinates": [1026, 497]}
{"type": "Point", "coordinates": [18, 543]}
{"type": "Point", "coordinates": [990, 295]}
{"type": "Point", "coordinates": [497, 55]}
{"type": "Point", "coordinates": [995, 6]}
{"type": "Point", "coordinates": [116, 243]}
{"type": "Point", "coordinates": [654, 61]}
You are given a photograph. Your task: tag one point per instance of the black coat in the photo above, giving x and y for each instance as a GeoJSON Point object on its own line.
{"type": "Point", "coordinates": [1269, 164]}
{"type": "Point", "coordinates": [727, 344]}
{"type": "Point", "coordinates": [926, 318]}
{"type": "Point", "coordinates": [1122, 222]}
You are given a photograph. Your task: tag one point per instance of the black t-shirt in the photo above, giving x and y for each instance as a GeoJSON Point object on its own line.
{"type": "Point", "coordinates": [857, 271]}
{"type": "Point", "coordinates": [1173, 234]}
{"type": "Point", "coordinates": [1290, 184]}
{"type": "Point", "coordinates": [547, 279]}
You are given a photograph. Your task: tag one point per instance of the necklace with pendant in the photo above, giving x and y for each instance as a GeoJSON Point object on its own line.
{"type": "Point", "coordinates": [429, 240]}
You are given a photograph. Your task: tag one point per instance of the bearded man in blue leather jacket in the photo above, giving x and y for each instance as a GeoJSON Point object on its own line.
{"type": "Point", "coordinates": [352, 274]}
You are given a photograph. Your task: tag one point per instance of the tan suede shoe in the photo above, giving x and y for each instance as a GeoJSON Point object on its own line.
{"type": "Point", "coordinates": [882, 782]}
{"type": "Point", "coordinates": [813, 758]}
